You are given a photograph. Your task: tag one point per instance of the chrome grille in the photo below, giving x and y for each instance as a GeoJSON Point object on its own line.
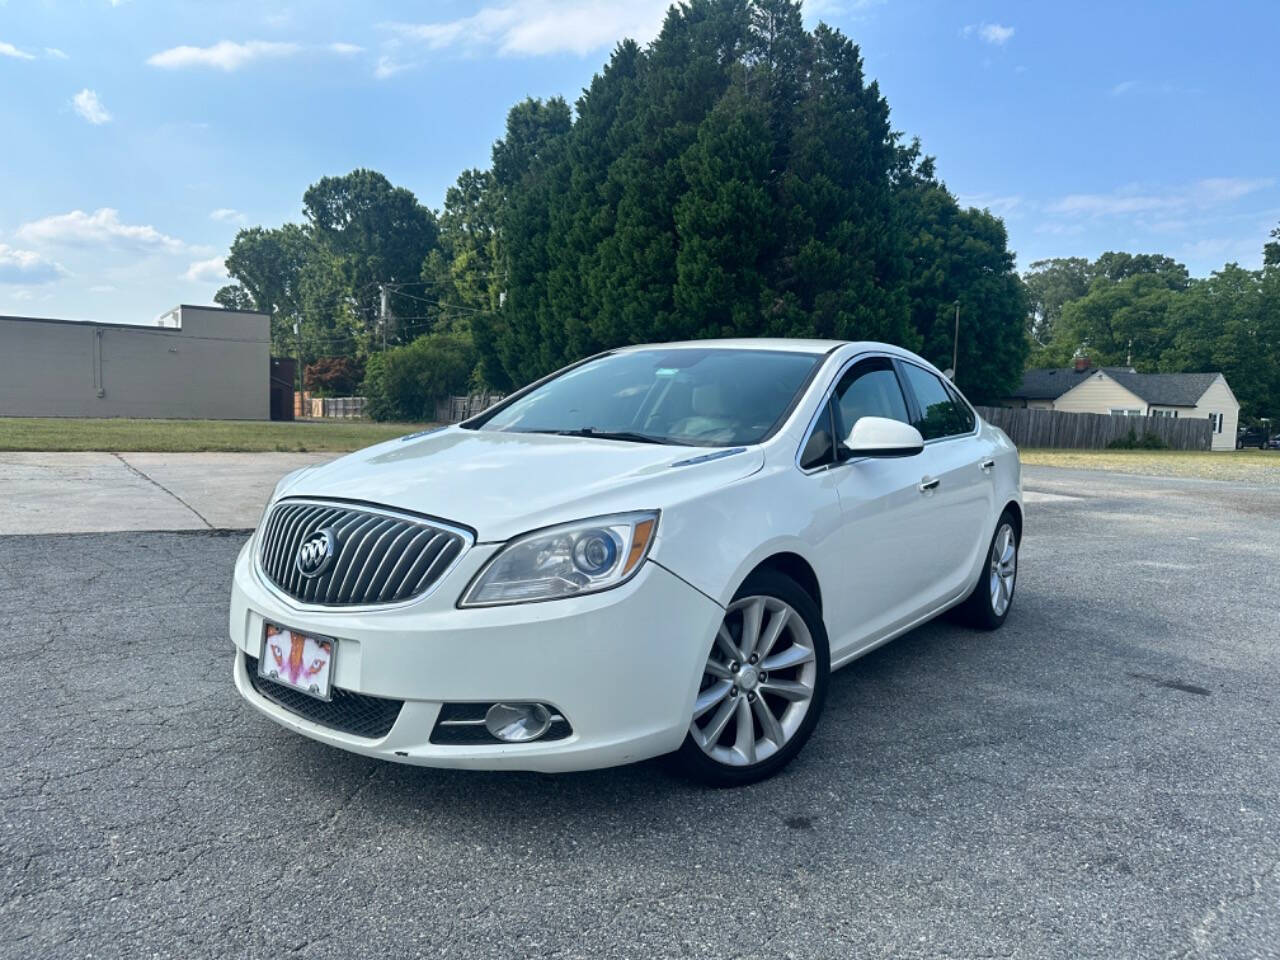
{"type": "Point", "coordinates": [378, 557]}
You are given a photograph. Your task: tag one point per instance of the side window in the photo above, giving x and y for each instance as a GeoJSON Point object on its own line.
{"type": "Point", "coordinates": [869, 389]}
{"type": "Point", "coordinates": [819, 449]}
{"type": "Point", "coordinates": [964, 412]}
{"type": "Point", "coordinates": [939, 416]}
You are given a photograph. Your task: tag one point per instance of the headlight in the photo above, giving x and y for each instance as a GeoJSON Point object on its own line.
{"type": "Point", "coordinates": [570, 560]}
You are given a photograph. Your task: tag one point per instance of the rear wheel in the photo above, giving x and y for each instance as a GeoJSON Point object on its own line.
{"type": "Point", "coordinates": [988, 605]}
{"type": "Point", "coordinates": [763, 685]}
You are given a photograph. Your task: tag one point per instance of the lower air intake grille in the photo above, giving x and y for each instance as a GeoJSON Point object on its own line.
{"type": "Point", "coordinates": [353, 713]}
{"type": "Point", "coordinates": [371, 557]}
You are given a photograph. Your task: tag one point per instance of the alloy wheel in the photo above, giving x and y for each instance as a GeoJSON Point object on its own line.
{"type": "Point", "coordinates": [758, 682]}
{"type": "Point", "coordinates": [1004, 569]}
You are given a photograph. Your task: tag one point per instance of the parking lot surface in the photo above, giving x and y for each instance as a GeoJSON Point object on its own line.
{"type": "Point", "coordinates": [1101, 778]}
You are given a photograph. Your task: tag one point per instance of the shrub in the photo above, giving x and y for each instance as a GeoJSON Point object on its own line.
{"type": "Point", "coordinates": [334, 376]}
{"type": "Point", "coordinates": [403, 383]}
{"type": "Point", "coordinates": [1148, 441]}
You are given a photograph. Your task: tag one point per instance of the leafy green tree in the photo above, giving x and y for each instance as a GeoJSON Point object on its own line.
{"type": "Point", "coordinates": [403, 383]}
{"type": "Point", "coordinates": [1115, 267]}
{"type": "Point", "coordinates": [373, 233]}
{"type": "Point", "coordinates": [1051, 284]}
{"type": "Point", "coordinates": [527, 173]}
{"type": "Point", "coordinates": [962, 256]}
{"type": "Point", "coordinates": [268, 264]}
{"type": "Point", "coordinates": [737, 177]}
{"type": "Point", "coordinates": [1118, 322]}
{"type": "Point", "coordinates": [1230, 322]}
{"type": "Point", "coordinates": [1271, 250]}
{"type": "Point", "coordinates": [234, 297]}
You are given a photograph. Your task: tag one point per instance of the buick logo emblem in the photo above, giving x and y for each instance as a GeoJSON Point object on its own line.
{"type": "Point", "coordinates": [316, 553]}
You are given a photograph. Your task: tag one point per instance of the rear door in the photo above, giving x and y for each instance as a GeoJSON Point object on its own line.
{"type": "Point", "coordinates": [956, 474]}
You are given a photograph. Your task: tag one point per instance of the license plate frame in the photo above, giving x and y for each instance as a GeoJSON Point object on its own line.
{"type": "Point", "coordinates": [278, 670]}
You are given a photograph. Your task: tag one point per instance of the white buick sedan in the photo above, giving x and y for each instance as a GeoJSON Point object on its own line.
{"type": "Point", "coordinates": [659, 550]}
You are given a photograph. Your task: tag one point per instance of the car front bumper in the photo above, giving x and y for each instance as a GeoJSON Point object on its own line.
{"type": "Point", "coordinates": [622, 667]}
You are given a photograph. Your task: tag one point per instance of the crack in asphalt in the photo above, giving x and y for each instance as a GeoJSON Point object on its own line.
{"type": "Point", "coordinates": [156, 483]}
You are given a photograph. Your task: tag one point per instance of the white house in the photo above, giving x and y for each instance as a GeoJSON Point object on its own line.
{"type": "Point", "coordinates": [1122, 391]}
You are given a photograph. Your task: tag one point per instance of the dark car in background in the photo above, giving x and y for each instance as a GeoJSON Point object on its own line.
{"type": "Point", "coordinates": [1252, 437]}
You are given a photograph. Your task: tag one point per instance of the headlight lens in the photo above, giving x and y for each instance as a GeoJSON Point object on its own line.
{"type": "Point", "coordinates": [570, 560]}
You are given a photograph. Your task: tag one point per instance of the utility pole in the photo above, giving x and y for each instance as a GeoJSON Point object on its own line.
{"type": "Point", "coordinates": [955, 346]}
{"type": "Point", "coordinates": [297, 334]}
{"type": "Point", "coordinates": [384, 311]}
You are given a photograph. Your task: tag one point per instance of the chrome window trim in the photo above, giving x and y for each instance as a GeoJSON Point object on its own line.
{"type": "Point", "coordinates": [829, 391]}
{"type": "Point", "coordinates": [467, 536]}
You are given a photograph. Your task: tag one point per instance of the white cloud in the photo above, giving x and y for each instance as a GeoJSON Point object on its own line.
{"type": "Point", "coordinates": [225, 55]}
{"type": "Point", "coordinates": [102, 288]}
{"type": "Point", "coordinates": [996, 34]}
{"type": "Point", "coordinates": [1001, 206]}
{"type": "Point", "coordinates": [541, 27]}
{"type": "Point", "coordinates": [387, 67]}
{"type": "Point", "coordinates": [227, 215]}
{"type": "Point", "coordinates": [1123, 87]}
{"type": "Point", "coordinates": [26, 266]}
{"type": "Point", "coordinates": [100, 228]}
{"type": "Point", "coordinates": [206, 271]}
{"type": "Point", "coordinates": [1128, 201]}
{"type": "Point", "coordinates": [9, 50]}
{"type": "Point", "coordinates": [89, 106]}
{"type": "Point", "coordinates": [346, 49]}
{"type": "Point", "coordinates": [53, 53]}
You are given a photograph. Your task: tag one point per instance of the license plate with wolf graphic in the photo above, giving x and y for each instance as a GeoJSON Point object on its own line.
{"type": "Point", "coordinates": [298, 660]}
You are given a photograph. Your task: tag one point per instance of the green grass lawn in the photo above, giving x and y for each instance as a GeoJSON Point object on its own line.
{"type": "Point", "coordinates": [193, 436]}
{"type": "Point", "coordinates": [1247, 466]}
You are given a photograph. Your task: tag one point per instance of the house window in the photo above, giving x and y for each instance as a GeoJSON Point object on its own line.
{"type": "Point", "coordinates": [1118, 412]}
{"type": "Point", "coordinates": [1216, 420]}
{"type": "Point", "coordinates": [1169, 414]}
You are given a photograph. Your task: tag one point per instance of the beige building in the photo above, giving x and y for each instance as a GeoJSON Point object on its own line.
{"type": "Point", "coordinates": [192, 363]}
{"type": "Point", "coordinates": [1122, 391]}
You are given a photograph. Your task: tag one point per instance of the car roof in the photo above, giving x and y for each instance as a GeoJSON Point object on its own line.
{"type": "Point", "coordinates": [784, 344]}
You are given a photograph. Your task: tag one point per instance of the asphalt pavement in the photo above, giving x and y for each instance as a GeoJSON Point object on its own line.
{"type": "Point", "coordinates": [1101, 778]}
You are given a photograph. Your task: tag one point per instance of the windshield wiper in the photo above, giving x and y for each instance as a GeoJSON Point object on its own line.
{"type": "Point", "coordinates": [612, 435]}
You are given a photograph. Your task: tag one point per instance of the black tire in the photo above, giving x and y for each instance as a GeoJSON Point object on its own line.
{"type": "Point", "coordinates": [978, 609]}
{"type": "Point", "coordinates": [693, 762]}
{"type": "Point", "coordinates": [1239, 445]}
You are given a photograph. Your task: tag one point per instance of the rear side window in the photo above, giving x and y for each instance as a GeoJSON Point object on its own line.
{"type": "Point", "coordinates": [940, 415]}
{"type": "Point", "coordinates": [963, 410]}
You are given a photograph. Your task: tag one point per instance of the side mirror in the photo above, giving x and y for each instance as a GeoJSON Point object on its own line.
{"type": "Point", "coordinates": [882, 437]}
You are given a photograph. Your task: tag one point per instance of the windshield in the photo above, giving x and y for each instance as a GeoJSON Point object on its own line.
{"type": "Point", "coordinates": [710, 397]}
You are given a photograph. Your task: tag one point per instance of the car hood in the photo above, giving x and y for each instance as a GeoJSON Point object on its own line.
{"type": "Point", "coordinates": [503, 484]}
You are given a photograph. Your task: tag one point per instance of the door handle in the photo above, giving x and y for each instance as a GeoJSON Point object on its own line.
{"type": "Point", "coordinates": [987, 465]}
{"type": "Point", "coordinates": [927, 484]}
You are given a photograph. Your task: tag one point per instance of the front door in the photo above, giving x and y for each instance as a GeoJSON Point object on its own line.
{"type": "Point", "coordinates": [885, 522]}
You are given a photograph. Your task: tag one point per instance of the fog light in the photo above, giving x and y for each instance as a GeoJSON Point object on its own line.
{"type": "Point", "coordinates": [517, 722]}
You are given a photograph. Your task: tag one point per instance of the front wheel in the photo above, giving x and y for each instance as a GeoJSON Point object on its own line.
{"type": "Point", "coordinates": [763, 685]}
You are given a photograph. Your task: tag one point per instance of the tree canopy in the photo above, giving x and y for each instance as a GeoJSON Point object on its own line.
{"type": "Point", "coordinates": [739, 176]}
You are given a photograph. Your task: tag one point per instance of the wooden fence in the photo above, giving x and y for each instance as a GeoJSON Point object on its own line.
{"type": "Point", "coordinates": [332, 408]}
{"type": "Point", "coordinates": [455, 409]}
{"type": "Point", "coordinates": [1094, 431]}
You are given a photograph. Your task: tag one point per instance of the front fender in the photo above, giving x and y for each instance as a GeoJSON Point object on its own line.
{"type": "Point", "coordinates": [713, 541]}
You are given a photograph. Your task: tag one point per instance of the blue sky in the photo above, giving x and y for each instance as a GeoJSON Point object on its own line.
{"type": "Point", "coordinates": [136, 136]}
